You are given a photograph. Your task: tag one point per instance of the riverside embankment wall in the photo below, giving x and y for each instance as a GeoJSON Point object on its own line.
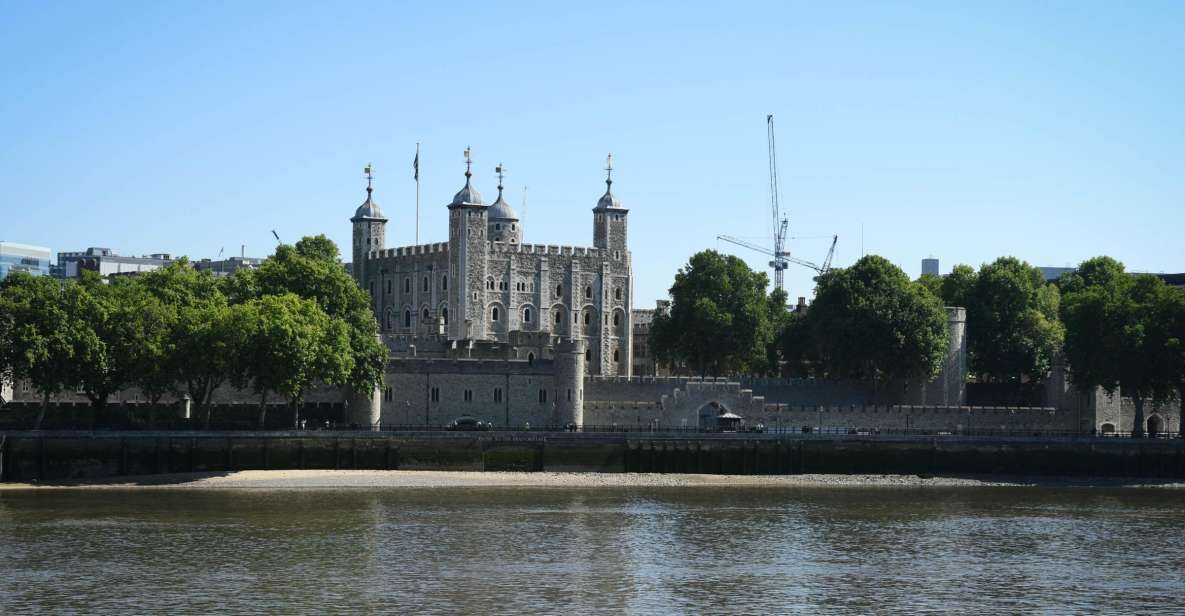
{"type": "Point", "coordinates": [50, 457]}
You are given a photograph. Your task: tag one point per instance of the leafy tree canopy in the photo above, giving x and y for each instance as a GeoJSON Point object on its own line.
{"type": "Point", "coordinates": [871, 322]}
{"type": "Point", "coordinates": [719, 320]}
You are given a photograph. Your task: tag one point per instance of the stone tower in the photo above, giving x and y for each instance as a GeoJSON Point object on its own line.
{"type": "Point", "coordinates": [569, 382]}
{"type": "Point", "coordinates": [504, 223]}
{"type": "Point", "coordinates": [609, 218]}
{"type": "Point", "coordinates": [370, 231]}
{"type": "Point", "coordinates": [612, 353]}
{"type": "Point", "coordinates": [468, 252]}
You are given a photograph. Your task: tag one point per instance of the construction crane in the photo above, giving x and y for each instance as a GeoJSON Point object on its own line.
{"type": "Point", "coordinates": [781, 256]}
{"type": "Point", "coordinates": [819, 269]}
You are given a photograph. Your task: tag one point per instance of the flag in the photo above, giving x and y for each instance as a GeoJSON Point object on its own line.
{"type": "Point", "coordinates": [415, 164]}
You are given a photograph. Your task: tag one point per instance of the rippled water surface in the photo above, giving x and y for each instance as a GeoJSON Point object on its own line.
{"type": "Point", "coordinates": [641, 551]}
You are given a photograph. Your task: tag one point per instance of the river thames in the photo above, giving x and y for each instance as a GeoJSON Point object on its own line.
{"type": "Point", "coordinates": [608, 550]}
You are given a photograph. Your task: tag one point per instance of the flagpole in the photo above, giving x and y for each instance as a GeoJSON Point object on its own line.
{"type": "Point", "coordinates": [417, 193]}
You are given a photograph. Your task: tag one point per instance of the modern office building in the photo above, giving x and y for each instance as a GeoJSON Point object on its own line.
{"type": "Point", "coordinates": [23, 258]}
{"type": "Point", "coordinates": [930, 266]}
{"type": "Point", "coordinates": [105, 262]}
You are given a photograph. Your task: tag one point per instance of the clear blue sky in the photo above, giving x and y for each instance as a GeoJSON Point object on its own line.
{"type": "Point", "coordinates": [1049, 131]}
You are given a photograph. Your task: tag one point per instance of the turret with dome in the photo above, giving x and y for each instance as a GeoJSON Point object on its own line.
{"type": "Point", "coordinates": [504, 223]}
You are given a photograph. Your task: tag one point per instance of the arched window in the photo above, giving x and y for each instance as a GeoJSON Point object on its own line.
{"type": "Point", "coordinates": [494, 314]}
{"type": "Point", "coordinates": [558, 317]}
{"type": "Point", "coordinates": [530, 359]}
{"type": "Point", "coordinates": [490, 284]}
{"type": "Point", "coordinates": [587, 318]}
{"type": "Point", "coordinates": [527, 314]}
{"type": "Point", "coordinates": [617, 293]}
{"type": "Point", "coordinates": [587, 354]}
{"type": "Point", "coordinates": [407, 318]}
{"type": "Point", "coordinates": [426, 283]}
{"type": "Point", "coordinates": [616, 356]}
{"type": "Point", "coordinates": [390, 322]}
{"type": "Point", "coordinates": [616, 319]}
{"type": "Point", "coordinates": [559, 290]}
{"type": "Point", "coordinates": [444, 282]}
{"type": "Point", "coordinates": [588, 292]}
{"type": "Point", "coordinates": [444, 314]}
{"type": "Point", "coordinates": [407, 285]}
{"type": "Point", "coordinates": [426, 315]}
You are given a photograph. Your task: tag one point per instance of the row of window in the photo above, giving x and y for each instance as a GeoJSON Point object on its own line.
{"type": "Point", "coordinates": [467, 395]}
{"type": "Point", "coordinates": [502, 285]}
{"type": "Point", "coordinates": [425, 286]}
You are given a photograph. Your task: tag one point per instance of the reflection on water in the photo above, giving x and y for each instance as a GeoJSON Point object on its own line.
{"type": "Point", "coordinates": [652, 551]}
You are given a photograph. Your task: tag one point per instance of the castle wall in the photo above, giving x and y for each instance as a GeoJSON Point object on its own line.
{"type": "Point", "coordinates": [404, 283]}
{"type": "Point", "coordinates": [432, 392]}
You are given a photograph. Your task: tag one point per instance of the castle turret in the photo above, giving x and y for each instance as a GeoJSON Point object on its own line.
{"type": "Point", "coordinates": [370, 230]}
{"type": "Point", "coordinates": [504, 223]}
{"type": "Point", "coordinates": [609, 218]}
{"type": "Point", "coordinates": [569, 383]}
{"type": "Point", "coordinates": [468, 252]}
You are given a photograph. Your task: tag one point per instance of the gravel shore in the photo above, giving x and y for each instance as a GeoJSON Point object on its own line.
{"type": "Point", "coordinates": [330, 479]}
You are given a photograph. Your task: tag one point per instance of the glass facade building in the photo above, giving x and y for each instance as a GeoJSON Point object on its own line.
{"type": "Point", "coordinates": [23, 258]}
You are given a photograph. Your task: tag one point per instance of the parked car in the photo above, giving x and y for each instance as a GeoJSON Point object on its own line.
{"type": "Point", "coordinates": [468, 424]}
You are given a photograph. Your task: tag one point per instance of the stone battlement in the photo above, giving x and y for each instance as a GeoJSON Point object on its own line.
{"type": "Point", "coordinates": [547, 249]}
{"type": "Point", "coordinates": [407, 251]}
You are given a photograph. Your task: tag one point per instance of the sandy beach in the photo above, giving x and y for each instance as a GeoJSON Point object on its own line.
{"type": "Point", "coordinates": [352, 479]}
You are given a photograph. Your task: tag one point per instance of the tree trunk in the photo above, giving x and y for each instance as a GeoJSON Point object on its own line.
{"type": "Point", "coordinates": [1138, 418]}
{"type": "Point", "coordinates": [153, 401]}
{"type": "Point", "coordinates": [262, 409]}
{"type": "Point", "coordinates": [295, 415]}
{"type": "Point", "coordinates": [209, 412]}
{"type": "Point", "coordinates": [41, 413]}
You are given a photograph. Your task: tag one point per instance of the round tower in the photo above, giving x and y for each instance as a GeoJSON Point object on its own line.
{"type": "Point", "coordinates": [370, 230]}
{"type": "Point", "coordinates": [569, 383]}
{"type": "Point", "coordinates": [504, 223]}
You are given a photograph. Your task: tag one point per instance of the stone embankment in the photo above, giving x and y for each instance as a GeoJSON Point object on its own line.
{"type": "Point", "coordinates": [64, 456]}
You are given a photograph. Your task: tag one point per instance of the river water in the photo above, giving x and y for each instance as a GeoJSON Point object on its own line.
{"type": "Point", "coordinates": [580, 551]}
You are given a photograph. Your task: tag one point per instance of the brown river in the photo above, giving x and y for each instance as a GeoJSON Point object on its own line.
{"type": "Point", "coordinates": [992, 550]}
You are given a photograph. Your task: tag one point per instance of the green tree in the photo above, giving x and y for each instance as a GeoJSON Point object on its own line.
{"type": "Point", "coordinates": [290, 343]}
{"type": "Point", "coordinates": [1012, 321]}
{"type": "Point", "coordinates": [201, 345]}
{"type": "Point", "coordinates": [778, 320]}
{"type": "Point", "coordinates": [327, 283]}
{"type": "Point", "coordinates": [318, 248]}
{"type": "Point", "coordinates": [1119, 334]}
{"type": "Point", "coordinates": [958, 286]}
{"type": "Point", "coordinates": [871, 322]}
{"type": "Point", "coordinates": [149, 342]}
{"type": "Point", "coordinates": [933, 284]}
{"type": "Point", "coordinates": [45, 334]}
{"type": "Point", "coordinates": [719, 316]}
{"type": "Point", "coordinates": [107, 365]}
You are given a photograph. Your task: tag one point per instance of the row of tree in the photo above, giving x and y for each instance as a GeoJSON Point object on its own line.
{"type": "Point", "coordinates": [868, 321]}
{"type": "Point", "coordinates": [299, 319]}
{"type": "Point", "coordinates": [871, 322]}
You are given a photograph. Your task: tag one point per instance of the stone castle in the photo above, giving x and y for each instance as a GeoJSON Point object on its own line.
{"type": "Point", "coordinates": [485, 287]}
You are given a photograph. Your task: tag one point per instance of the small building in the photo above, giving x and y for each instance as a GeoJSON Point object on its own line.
{"type": "Point", "coordinates": [105, 262]}
{"type": "Point", "coordinates": [23, 258]}
{"type": "Point", "coordinates": [226, 267]}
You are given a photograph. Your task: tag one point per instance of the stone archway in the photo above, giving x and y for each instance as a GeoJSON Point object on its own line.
{"type": "Point", "coordinates": [1155, 425]}
{"type": "Point", "coordinates": [1107, 428]}
{"type": "Point", "coordinates": [707, 414]}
